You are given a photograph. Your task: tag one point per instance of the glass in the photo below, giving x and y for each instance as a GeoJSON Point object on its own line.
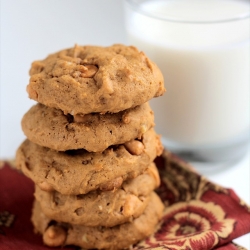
{"type": "Point", "coordinates": [203, 50]}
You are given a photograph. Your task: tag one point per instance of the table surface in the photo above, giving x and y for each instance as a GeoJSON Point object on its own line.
{"type": "Point", "coordinates": [237, 177]}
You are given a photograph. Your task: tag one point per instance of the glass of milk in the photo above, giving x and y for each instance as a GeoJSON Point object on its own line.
{"type": "Point", "coordinates": [203, 50]}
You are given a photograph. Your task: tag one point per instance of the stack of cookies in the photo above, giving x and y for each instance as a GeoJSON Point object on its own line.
{"type": "Point", "coordinates": [91, 145]}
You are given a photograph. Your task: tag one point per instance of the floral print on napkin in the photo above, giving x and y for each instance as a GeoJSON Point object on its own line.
{"type": "Point", "coordinates": [199, 215]}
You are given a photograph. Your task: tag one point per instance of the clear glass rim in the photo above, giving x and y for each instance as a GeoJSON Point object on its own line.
{"type": "Point", "coordinates": [136, 6]}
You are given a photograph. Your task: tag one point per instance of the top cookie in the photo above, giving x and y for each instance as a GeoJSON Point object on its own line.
{"type": "Point", "coordinates": [87, 79]}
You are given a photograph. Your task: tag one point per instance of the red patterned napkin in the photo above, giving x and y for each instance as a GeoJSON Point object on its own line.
{"type": "Point", "coordinates": [199, 215]}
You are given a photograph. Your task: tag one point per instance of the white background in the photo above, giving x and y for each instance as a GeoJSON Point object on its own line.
{"type": "Point", "coordinates": [30, 29]}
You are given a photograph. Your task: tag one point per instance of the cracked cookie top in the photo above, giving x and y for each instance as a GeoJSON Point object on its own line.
{"type": "Point", "coordinates": [87, 79]}
{"type": "Point", "coordinates": [118, 237]}
{"type": "Point", "coordinates": [79, 172]}
{"type": "Point", "coordinates": [49, 127]}
{"type": "Point", "coordinates": [101, 208]}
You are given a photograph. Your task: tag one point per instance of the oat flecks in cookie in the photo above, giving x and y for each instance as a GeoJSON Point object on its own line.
{"type": "Point", "coordinates": [108, 208]}
{"type": "Point", "coordinates": [87, 79]}
{"type": "Point", "coordinates": [79, 172]}
{"type": "Point", "coordinates": [118, 237]}
{"type": "Point", "coordinates": [50, 128]}
{"type": "Point", "coordinates": [91, 145]}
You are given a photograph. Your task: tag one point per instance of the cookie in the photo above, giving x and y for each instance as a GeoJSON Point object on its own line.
{"type": "Point", "coordinates": [117, 237]}
{"type": "Point", "coordinates": [106, 208]}
{"type": "Point", "coordinates": [87, 79]}
{"type": "Point", "coordinates": [50, 128]}
{"type": "Point", "coordinates": [79, 172]}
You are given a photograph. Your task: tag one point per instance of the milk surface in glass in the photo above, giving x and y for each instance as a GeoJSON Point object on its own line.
{"type": "Point", "coordinates": [204, 56]}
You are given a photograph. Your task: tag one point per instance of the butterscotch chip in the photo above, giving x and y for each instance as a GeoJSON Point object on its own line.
{"type": "Point", "coordinates": [87, 79]}
{"type": "Point", "coordinates": [111, 185]}
{"type": "Point", "coordinates": [97, 208]}
{"type": "Point", "coordinates": [50, 128]}
{"type": "Point", "coordinates": [54, 236]}
{"type": "Point", "coordinates": [135, 147]}
{"type": "Point", "coordinates": [79, 171]}
{"type": "Point", "coordinates": [45, 186]}
{"type": "Point", "coordinates": [117, 237]}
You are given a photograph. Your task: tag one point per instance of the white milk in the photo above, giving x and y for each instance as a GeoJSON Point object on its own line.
{"type": "Point", "coordinates": [205, 66]}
